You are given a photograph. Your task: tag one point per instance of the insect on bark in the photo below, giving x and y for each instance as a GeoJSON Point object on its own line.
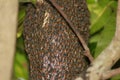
{"type": "Point", "coordinates": [54, 50]}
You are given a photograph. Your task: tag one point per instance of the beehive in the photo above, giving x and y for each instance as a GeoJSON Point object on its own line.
{"type": "Point", "coordinates": [53, 49]}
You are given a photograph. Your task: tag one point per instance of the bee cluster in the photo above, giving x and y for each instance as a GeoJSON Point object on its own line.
{"type": "Point", "coordinates": [53, 49]}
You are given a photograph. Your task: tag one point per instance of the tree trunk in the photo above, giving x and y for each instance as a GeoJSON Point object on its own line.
{"type": "Point", "coordinates": [8, 21]}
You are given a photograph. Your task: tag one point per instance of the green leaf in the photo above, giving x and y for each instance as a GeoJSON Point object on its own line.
{"type": "Point", "coordinates": [21, 17]}
{"type": "Point", "coordinates": [20, 31]}
{"type": "Point", "coordinates": [103, 2]}
{"type": "Point", "coordinates": [20, 66]}
{"type": "Point", "coordinates": [105, 37]}
{"type": "Point", "coordinates": [92, 47]}
{"type": "Point", "coordinates": [21, 62]}
{"type": "Point", "coordinates": [103, 29]}
{"type": "Point", "coordinates": [28, 1]}
{"type": "Point", "coordinates": [90, 1]}
{"type": "Point", "coordinates": [101, 19]}
{"type": "Point", "coordinates": [117, 77]}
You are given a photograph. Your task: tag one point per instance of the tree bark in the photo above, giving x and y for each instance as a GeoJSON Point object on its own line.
{"type": "Point", "coordinates": [8, 23]}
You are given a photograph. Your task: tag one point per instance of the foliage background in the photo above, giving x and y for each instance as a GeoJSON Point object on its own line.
{"type": "Point", "coordinates": [102, 28]}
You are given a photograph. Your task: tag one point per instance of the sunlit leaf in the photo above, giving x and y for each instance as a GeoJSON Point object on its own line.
{"type": "Point", "coordinates": [20, 65]}
{"type": "Point", "coordinates": [103, 2]}
{"type": "Point", "coordinates": [21, 16]}
{"type": "Point", "coordinates": [19, 31]}
{"type": "Point", "coordinates": [103, 29]}
{"type": "Point", "coordinates": [102, 18]}
{"type": "Point", "coordinates": [91, 1]}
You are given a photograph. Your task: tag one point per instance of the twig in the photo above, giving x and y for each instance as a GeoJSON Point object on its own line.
{"type": "Point", "coordinates": [111, 73]}
{"type": "Point", "coordinates": [87, 51]}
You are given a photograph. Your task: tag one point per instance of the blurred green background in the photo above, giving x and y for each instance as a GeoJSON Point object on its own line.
{"type": "Point", "coordinates": [102, 29]}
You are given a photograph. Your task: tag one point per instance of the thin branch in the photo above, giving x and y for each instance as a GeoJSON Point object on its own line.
{"type": "Point", "coordinates": [111, 73]}
{"type": "Point", "coordinates": [87, 51]}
